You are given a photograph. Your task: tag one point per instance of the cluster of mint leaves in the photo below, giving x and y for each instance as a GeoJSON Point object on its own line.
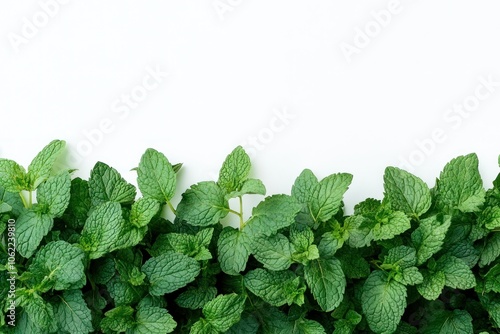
{"type": "Point", "coordinates": [92, 257]}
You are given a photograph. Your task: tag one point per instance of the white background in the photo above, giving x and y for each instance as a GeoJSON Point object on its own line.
{"type": "Point", "coordinates": [233, 64]}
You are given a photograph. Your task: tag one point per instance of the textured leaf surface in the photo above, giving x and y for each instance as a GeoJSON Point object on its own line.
{"type": "Point", "coordinates": [156, 177]}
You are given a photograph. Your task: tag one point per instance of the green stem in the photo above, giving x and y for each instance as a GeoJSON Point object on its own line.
{"type": "Point", "coordinates": [23, 199]}
{"type": "Point", "coordinates": [172, 208]}
{"type": "Point", "coordinates": [31, 198]}
{"type": "Point", "coordinates": [242, 223]}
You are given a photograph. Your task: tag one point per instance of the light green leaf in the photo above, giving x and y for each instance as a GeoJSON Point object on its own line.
{"type": "Point", "coordinates": [156, 177]}
{"type": "Point", "coordinates": [41, 166]}
{"type": "Point", "coordinates": [433, 284]}
{"type": "Point", "coordinates": [272, 214]}
{"type": "Point", "coordinates": [406, 192]}
{"type": "Point", "coordinates": [235, 170]}
{"type": "Point", "coordinates": [274, 252]}
{"type": "Point", "coordinates": [12, 176]}
{"type": "Point", "coordinates": [143, 210]}
{"type": "Point", "coordinates": [304, 186]}
{"type": "Point", "coordinates": [276, 288]}
{"type": "Point", "coordinates": [39, 311]}
{"type": "Point", "coordinates": [203, 204]}
{"type": "Point", "coordinates": [460, 185]}
{"type": "Point", "coordinates": [196, 297]}
{"type": "Point", "coordinates": [457, 272]}
{"type": "Point", "coordinates": [249, 186]}
{"type": "Point", "coordinates": [61, 264]}
{"type": "Point", "coordinates": [107, 185]}
{"type": "Point", "coordinates": [169, 272]}
{"type": "Point", "coordinates": [102, 230]}
{"type": "Point", "coordinates": [72, 313]}
{"type": "Point", "coordinates": [233, 250]}
{"type": "Point", "coordinates": [491, 303]}
{"type": "Point", "coordinates": [401, 256]}
{"type": "Point", "coordinates": [327, 196]}
{"type": "Point", "coordinates": [383, 302]}
{"type": "Point", "coordinates": [450, 322]}
{"type": "Point", "coordinates": [490, 218]}
{"type": "Point", "coordinates": [491, 250]}
{"type": "Point", "coordinates": [429, 236]}
{"type": "Point", "coordinates": [224, 311]}
{"type": "Point", "coordinates": [388, 227]}
{"type": "Point", "coordinates": [31, 227]}
{"type": "Point", "coordinates": [118, 319]}
{"type": "Point", "coordinates": [150, 319]}
{"type": "Point", "coordinates": [123, 292]}
{"type": "Point", "coordinates": [492, 279]}
{"type": "Point", "coordinates": [326, 281]}
{"type": "Point", "coordinates": [409, 276]}
{"type": "Point", "coordinates": [203, 327]}
{"type": "Point", "coordinates": [55, 194]}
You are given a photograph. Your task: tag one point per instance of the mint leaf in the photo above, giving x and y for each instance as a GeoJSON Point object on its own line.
{"type": "Point", "coordinates": [274, 252]}
{"type": "Point", "coordinates": [31, 227]}
{"type": "Point", "coordinates": [492, 279]}
{"type": "Point", "coordinates": [249, 186]}
{"type": "Point", "coordinates": [119, 319]}
{"type": "Point", "coordinates": [272, 214]}
{"type": "Point", "coordinates": [327, 196]}
{"type": "Point", "coordinates": [101, 232]}
{"type": "Point", "coordinates": [383, 301]}
{"type": "Point", "coordinates": [61, 264]}
{"type": "Point", "coordinates": [406, 192]}
{"type": "Point", "coordinates": [79, 203]}
{"type": "Point", "coordinates": [196, 297]}
{"type": "Point", "coordinates": [460, 185]}
{"type": "Point", "coordinates": [235, 170]}
{"type": "Point", "coordinates": [156, 177]}
{"type": "Point", "coordinates": [40, 313]}
{"type": "Point", "coordinates": [191, 245]}
{"type": "Point", "coordinates": [304, 186]}
{"type": "Point", "coordinates": [224, 311]}
{"type": "Point", "coordinates": [450, 322]}
{"type": "Point", "coordinates": [55, 194]}
{"type": "Point", "coordinates": [388, 227]}
{"type": "Point", "coordinates": [409, 276]}
{"type": "Point", "coordinates": [41, 166]}
{"type": "Point", "coordinates": [72, 314]}
{"type": "Point", "coordinates": [150, 319]}
{"type": "Point", "coordinates": [457, 272]}
{"type": "Point", "coordinates": [169, 272]}
{"type": "Point", "coordinates": [276, 287]}
{"type": "Point", "coordinates": [143, 210]}
{"type": "Point", "coordinates": [403, 257]}
{"type": "Point", "coordinates": [203, 204]}
{"type": "Point", "coordinates": [428, 238]}
{"type": "Point", "coordinates": [491, 250]}
{"type": "Point", "coordinates": [326, 281]}
{"type": "Point", "coordinates": [248, 325]}
{"type": "Point", "coordinates": [107, 185]}
{"type": "Point", "coordinates": [12, 176]}
{"type": "Point", "coordinates": [490, 218]}
{"type": "Point", "coordinates": [432, 285]}
{"type": "Point", "coordinates": [233, 250]}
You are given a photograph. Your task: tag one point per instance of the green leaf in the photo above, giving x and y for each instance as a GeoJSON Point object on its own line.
{"type": "Point", "coordinates": [460, 185]}
{"type": "Point", "coordinates": [79, 203]}
{"type": "Point", "coordinates": [272, 214]}
{"type": "Point", "coordinates": [491, 303]}
{"type": "Point", "coordinates": [327, 196]}
{"type": "Point", "coordinates": [150, 319]}
{"type": "Point", "coordinates": [61, 264]}
{"type": "Point", "coordinates": [450, 322]}
{"type": "Point", "coordinates": [276, 287]}
{"type": "Point", "coordinates": [326, 281]}
{"type": "Point", "coordinates": [102, 229]}
{"type": "Point", "coordinates": [274, 252]}
{"type": "Point", "coordinates": [169, 272]}
{"type": "Point", "coordinates": [41, 166]}
{"type": "Point", "coordinates": [406, 192]}
{"type": "Point", "coordinates": [248, 325]}
{"type": "Point", "coordinates": [12, 176]}
{"type": "Point", "coordinates": [31, 227]}
{"type": "Point", "coordinates": [191, 245]}
{"type": "Point", "coordinates": [491, 250]}
{"type": "Point", "coordinates": [409, 276]}
{"type": "Point", "coordinates": [143, 210]}
{"type": "Point", "coordinates": [233, 250]}
{"type": "Point", "coordinates": [353, 264]}
{"type": "Point", "coordinates": [72, 314]}
{"type": "Point", "coordinates": [457, 273]}
{"type": "Point", "coordinates": [394, 224]}
{"type": "Point", "coordinates": [203, 204]}
{"type": "Point", "coordinates": [196, 297]}
{"type": "Point", "coordinates": [203, 327]}
{"type": "Point", "coordinates": [249, 186]}
{"type": "Point", "coordinates": [492, 279]}
{"type": "Point", "coordinates": [224, 311]}
{"type": "Point", "coordinates": [402, 256]}
{"type": "Point", "coordinates": [156, 177]}
{"type": "Point", "coordinates": [383, 302]}
{"type": "Point", "coordinates": [235, 170]}
{"type": "Point", "coordinates": [107, 185]}
{"type": "Point", "coordinates": [429, 236]}
{"type": "Point", "coordinates": [432, 285]}
{"type": "Point", "coordinates": [304, 186]}
{"type": "Point", "coordinates": [39, 311]}
{"type": "Point", "coordinates": [118, 319]}
{"type": "Point", "coordinates": [490, 218]}
{"type": "Point", "coordinates": [55, 194]}
{"type": "Point", "coordinates": [123, 292]}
